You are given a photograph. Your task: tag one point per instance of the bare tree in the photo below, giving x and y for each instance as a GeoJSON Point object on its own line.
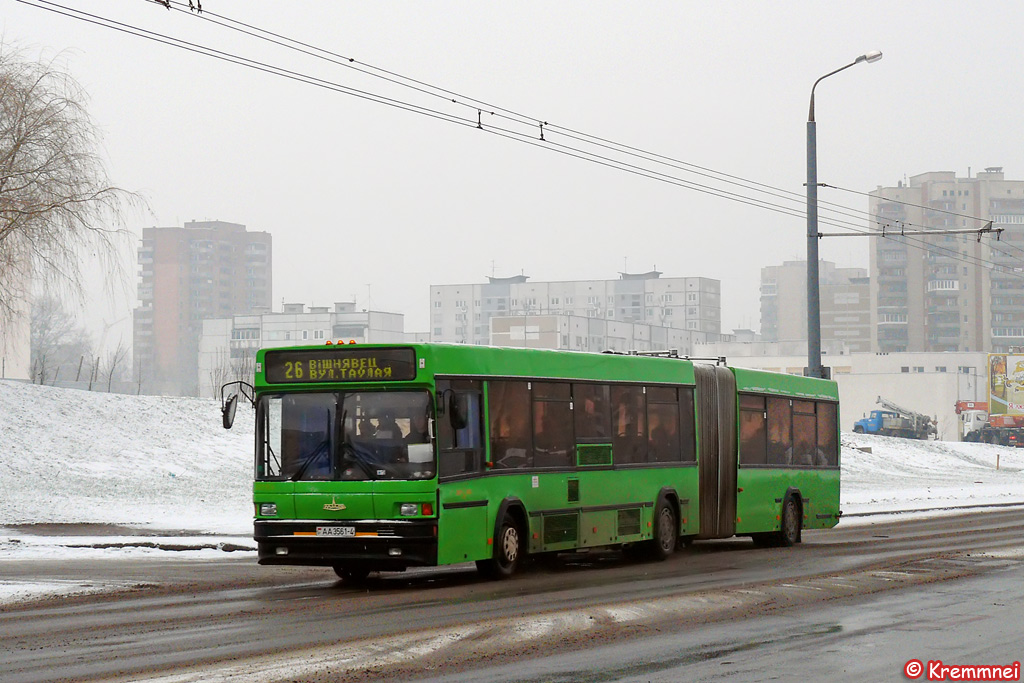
{"type": "Point", "coordinates": [221, 372]}
{"type": "Point", "coordinates": [243, 363]}
{"type": "Point", "coordinates": [115, 360]}
{"type": "Point", "coordinates": [57, 205]}
{"type": "Point", "coordinates": [56, 339]}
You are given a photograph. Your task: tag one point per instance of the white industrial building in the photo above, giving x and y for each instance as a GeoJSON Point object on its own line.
{"type": "Point", "coordinates": [227, 347]}
{"type": "Point", "coordinates": [928, 383]}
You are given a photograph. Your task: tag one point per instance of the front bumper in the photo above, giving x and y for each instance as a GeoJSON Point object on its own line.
{"type": "Point", "coordinates": [389, 545]}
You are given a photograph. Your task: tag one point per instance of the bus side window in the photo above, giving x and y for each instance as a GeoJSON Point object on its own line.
{"type": "Point", "coordinates": [663, 424]}
{"type": "Point", "coordinates": [509, 408]}
{"type": "Point", "coordinates": [780, 432]}
{"type": "Point", "coordinates": [591, 413]}
{"type": "Point", "coordinates": [553, 441]}
{"type": "Point", "coordinates": [804, 439]}
{"type": "Point", "coordinates": [629, 428]}
{"type": "Point", "coordinates": [460, 450]}
{"type": "Point", "coordinates": [753, 434]}
{"type": "Point", "coordinates": [827, 453]}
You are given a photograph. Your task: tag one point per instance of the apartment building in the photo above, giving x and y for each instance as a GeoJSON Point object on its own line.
{"type": "Point", "coordinates": [579, 333]}
{"type": "Point", "coordinates": [463, 313]}
{"type": "Point", "coordinates": [948, 292]}
{"type": "Point", "coordinates": [844, 304]}
{"type": "Point", "coordinates": [206, 269]}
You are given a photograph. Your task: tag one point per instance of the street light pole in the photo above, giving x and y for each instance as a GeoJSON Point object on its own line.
{"type": "Point", "coordinates": [814, 368]}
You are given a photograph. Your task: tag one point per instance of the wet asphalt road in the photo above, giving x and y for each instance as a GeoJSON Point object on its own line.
{"type": "Point", "coordinates": [871, 638]}
{"type": "Point", "coordinates": [716, 608]}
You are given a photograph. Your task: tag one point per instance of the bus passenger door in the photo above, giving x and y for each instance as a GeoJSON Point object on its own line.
{"type": "Point", "coordinates": [462, 518]}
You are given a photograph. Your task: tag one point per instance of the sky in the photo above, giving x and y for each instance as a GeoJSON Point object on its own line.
{"type": "Point", "coordinates": [375, 203]}
{"type": "Point", "coordinates": [74, 457]}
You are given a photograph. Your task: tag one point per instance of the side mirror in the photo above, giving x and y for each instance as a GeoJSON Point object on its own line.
{"type": "Point", "coordinates": [228, 411]}
{"type": "Point", "coordinates": [458, 410]}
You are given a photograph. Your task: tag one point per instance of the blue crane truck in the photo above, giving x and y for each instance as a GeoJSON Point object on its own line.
{"type": "Point", "coordinates": [896, 421]}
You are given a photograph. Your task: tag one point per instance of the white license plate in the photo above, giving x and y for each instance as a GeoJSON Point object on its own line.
{"type": "Point", "coordinates": [335, 531]}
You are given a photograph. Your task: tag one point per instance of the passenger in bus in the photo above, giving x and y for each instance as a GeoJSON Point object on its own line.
{"type": "Point", "coordinates": [664, 441]}
{"type": "Point", "coordinates": [780, 444]}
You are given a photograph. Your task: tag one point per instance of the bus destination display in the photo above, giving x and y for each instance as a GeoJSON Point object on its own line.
{"type": "Point", "coordinates": [339, 365]}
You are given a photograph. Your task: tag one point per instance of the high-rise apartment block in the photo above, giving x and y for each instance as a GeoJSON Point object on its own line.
{"type": "Point", "coordinates": [206, 269]}
{"type": "Point", "coordinates": [463, 313]}
{"type": "Point", "coordinates": [845, 310]}
{"type": "Point", "coordinates": [948, 292]}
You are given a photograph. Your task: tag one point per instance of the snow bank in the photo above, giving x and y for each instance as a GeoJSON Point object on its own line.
{"type": "Point", "coordinates": [162, 463]}
{"type": "Point", "coordinates": [72, 456]}
{"type": "Point", "coordinates": [888, 474]}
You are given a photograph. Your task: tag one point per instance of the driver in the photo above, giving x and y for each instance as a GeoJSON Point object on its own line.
{"type": "Point", "coordinates": [419, 431]}
{"type": "Point", "coordinates": [387, 428]}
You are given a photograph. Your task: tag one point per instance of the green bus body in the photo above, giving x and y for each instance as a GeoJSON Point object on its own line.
{"type": "Point", "coordinates": [729, 472]}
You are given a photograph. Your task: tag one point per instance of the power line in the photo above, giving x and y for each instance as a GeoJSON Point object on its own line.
{"type": "Point", "coordinates": [473, 103]}
{"type": "Point", "coordinates": [511, 134]}
{"type": "Point", "coordinates": [408, 106]}
{"type": "Point", "coordinates": [455, 97]}
{"type": "Point", "coordinates": [899, 201]}
{"type": "Point", "coordinates": [786, 195]}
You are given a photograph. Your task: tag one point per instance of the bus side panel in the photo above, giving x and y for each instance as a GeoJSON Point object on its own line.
{"type": "Point", "coordinates": [462, 531]}
{"type": "Point", "coordinates": [630, 489]}
{"type": "Point", "coordinates": [564, 510]}
{"type": "Point", "coordinates": [759, 504]}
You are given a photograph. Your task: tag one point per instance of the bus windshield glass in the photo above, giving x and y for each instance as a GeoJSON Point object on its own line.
{"type": "Point", "coordinates": [345, 436]}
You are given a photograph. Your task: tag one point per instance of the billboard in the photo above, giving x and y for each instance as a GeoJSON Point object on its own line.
{"type": "Point", "coordinates": [1006, 384]}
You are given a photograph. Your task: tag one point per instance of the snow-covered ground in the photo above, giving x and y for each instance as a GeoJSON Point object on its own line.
{"type": "Point", "coordinates": [167, 470]}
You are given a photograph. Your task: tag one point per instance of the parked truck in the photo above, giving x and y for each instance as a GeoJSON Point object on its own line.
{"type": "Point", "coordinates": [978, 425]}
{"type": "Point", "coordinates": [897, 421]}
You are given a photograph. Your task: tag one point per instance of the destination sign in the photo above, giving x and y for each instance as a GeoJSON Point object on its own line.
{"type": "Point", "coordinates": [339, 364]}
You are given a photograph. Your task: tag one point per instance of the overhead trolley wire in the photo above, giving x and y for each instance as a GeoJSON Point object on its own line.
{"type": "Point", "coordinates": [477, 104]}
{"type": "Point", "coordinates": [515, 135]}
{"type": "Point", "coordinates": [511, 115]}
{"type": "Point", "coordinates": [426, 88]}
{"type": "Point", "coordinates": [401, 104]}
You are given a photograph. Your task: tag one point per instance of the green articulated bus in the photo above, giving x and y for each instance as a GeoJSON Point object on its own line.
{"type": "Point", "coordinates": [380, 457]}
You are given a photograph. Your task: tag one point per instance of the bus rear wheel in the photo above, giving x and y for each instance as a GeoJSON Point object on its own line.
{"type": "Point", "coordinates": [350, 575]}
{"type": "Point", "coordinates": [508, 547]}
{"type": "Point", "coordinates": [789, 530]}
{"type": "Point", "coordinates": [666, 530]}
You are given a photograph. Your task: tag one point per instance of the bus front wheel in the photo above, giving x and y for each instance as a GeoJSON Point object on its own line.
{"type": "Point", "coordinates": [508, 548]}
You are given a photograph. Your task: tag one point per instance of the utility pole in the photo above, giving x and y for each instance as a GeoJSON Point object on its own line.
{"type": "Point", "coordinates": [814, 368]}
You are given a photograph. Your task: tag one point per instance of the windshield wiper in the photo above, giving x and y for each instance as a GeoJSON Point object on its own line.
{"type": "Point", "coordinates": [349, 452]}
{"type": "Point", "coordinates": [320, 448]}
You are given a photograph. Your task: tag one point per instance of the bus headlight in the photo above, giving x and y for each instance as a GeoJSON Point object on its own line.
{"type": "Point", "coordinates": [268, 509]}
{"type": "Point", "coordinates": [409, 509]}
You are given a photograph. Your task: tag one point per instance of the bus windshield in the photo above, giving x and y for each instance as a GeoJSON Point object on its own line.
{"type": "Point", "coordinates": [345, 436]}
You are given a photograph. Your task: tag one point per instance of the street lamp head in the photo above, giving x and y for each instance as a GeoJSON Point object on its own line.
{"type": "Point", "coordinates": [870, 57]}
